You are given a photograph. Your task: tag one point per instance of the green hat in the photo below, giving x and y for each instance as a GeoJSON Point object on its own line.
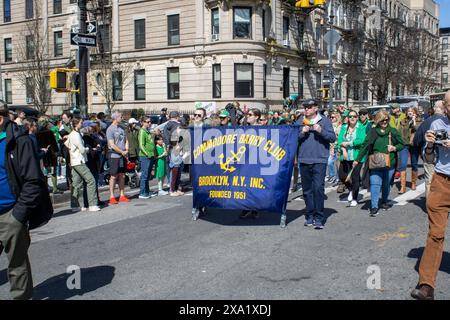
{"type": "Point", "coordinates": [224, 114]}
{"type": "Point", "coordinates": [345, 114]}
{"type": "Point", "coordinates": [271, 113]}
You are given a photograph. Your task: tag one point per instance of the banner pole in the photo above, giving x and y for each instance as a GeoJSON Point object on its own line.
{"type": "Point", "coordinates": [283, 220]}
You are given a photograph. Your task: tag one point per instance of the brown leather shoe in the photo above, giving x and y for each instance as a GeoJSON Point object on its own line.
{"type": "Point", "coordinates": [424, 292]}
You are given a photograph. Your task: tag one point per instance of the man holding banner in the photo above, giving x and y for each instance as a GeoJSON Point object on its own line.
{"type": "Point", "coordinates": [316, 134]}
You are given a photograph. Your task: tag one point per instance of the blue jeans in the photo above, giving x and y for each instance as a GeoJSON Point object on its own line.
{"type": "Point", "coordinates": [313, 184]}
{"type": "Point", "coordinates": [403, 158]}
{"type": "Point", "coordinates": [380, 180]}
{"type": "Point", "coordinates": [332, 165]}
{"type": "Point", "coordinates": [146, 169]}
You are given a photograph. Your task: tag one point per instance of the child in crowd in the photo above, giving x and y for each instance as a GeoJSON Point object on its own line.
{"type": "Point", "coordinates": [161, 160]}
{"type": "Point", "coordinates": [176, 154]}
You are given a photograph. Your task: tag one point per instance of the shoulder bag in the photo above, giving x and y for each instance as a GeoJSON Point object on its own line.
{"type": "Point", "coordinates": [379, 160]}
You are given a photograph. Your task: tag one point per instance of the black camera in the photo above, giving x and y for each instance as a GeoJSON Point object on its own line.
{"type": "Point", "coordinates": [441, 135]}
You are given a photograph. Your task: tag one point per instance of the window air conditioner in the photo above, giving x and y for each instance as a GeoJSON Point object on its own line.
{"type": "Point", "coordinates": [286, 43]}
{"type": "Point", "coordinates": [215, 37]}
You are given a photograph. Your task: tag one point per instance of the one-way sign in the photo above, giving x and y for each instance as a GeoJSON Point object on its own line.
{"type": "Point", "coordinates": [78, 39]}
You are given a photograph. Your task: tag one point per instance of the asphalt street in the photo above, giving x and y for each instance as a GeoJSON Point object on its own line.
{"type": "Point", "coordinates": [151, 249]}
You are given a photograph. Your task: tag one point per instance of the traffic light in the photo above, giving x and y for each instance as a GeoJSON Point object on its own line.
{"type": "Point", "coordinates": [304, 4]}
{"type": "Point", "coordinates": [58, 80]}
{"type": "Point", "coordinates": [324, 94]}
{"type": "Point", "coordinates": [310, 3]}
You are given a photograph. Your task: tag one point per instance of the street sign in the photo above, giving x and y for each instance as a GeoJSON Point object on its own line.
{"type": "Point", "coordinates": [332, 37]}
{"type": "Point", "coordinates": [78, 39]}
{"type": "Point", "coordinates": [91, 26]}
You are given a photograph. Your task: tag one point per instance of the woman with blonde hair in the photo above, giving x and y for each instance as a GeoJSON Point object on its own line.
{"type": "Point", "coordinates": [407, 129]}
{"type": "Point", "coordinates": [380, 145]}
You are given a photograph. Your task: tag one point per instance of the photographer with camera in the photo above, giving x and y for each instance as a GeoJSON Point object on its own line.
{"type": "Point", "coordinates": [437, 150]}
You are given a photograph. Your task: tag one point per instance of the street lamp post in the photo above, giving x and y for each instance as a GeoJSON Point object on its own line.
{"type": "Point", "coordinates": [330, 56]}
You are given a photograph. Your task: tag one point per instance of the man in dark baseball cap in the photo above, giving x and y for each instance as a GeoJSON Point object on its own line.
{"type": "Point", "coordinates": [310, 102]}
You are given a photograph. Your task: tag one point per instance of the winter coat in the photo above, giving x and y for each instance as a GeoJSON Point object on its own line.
{"type": "Point", "coordinates": [33, 206]}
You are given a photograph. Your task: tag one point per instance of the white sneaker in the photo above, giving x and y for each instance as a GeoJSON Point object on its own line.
{"type": "Point", "coordinates": [84, 209]}
{"type": "Point", "coordinates": [350, 197]}
{"type": "Point", "coordinates": [174, 194]}
{"type": "Point", "coordinates": [353, 203]}
{"type": "Point", "coordinates": [162, 193]}
{"type": "Point", "coordinates": [94, 208]}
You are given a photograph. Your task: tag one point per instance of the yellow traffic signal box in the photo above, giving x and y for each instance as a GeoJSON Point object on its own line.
{"type": "Point", "coordinates": [58, 80]}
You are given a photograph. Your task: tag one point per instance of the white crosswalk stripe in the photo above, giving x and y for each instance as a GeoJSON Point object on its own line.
{"type": "Point", "coordinates": [408, 196]}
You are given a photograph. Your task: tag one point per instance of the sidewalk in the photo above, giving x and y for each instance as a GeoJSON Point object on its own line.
{"type": "Point", "coordinates": [64, 198]}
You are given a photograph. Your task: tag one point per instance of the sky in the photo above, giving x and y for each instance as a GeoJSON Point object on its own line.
{"type": "Point", "coordinates": [445, 13]}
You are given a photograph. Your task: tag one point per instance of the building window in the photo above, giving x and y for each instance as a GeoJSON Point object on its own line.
{"type": "Point", "coordinates": [286, 92]}
{"type": "Point", "coordinates": [139, 85]}
{"type": "Point", "coordinates": [104, 38]}
{"type": "Point", "coordinates": [445, 60]}
{"type": "Point", "coordinates": [356, 90]}
{"type": "Point", "coordinates": [318, 80]}
{"type": "Point", "coordinates": [76, 1]}
{"type": "Point", "coordinates": [444, 43]}
{"type": "Point", "coordinates": [285, 30]}
{"type": "Point", "coordinates": [29, 47]}
{"type": "Point", "coordinates": [173, 83]}
{"type": "Point", "coordinates": [57, 6]}
{"type": "Point", "coordinates": [173, 23]}
{"type": "Point", "coordinates": [215, 21]}
{"type": "Point", "coordinates": [29, 11]}
{"type": "Point", "coordinates": [242, 23]}
{"type": "Point", "coordinates": [243, 80]}
{"type": "Point", "coordinates": [301, 35]}
{"type": "Point", "coordinates": [29, 90]}
{"type": "Point", "coordinates": [263, 16]}
{"type": "Point", "coordinates": [300, 83]}
{"type": "Point", "coordinates": [117, 86]}
{"type": "Point", "coordinates": [139, 34]}
{"type": "Point", "coordinates": [58, 43]}
{"type": "Point", "coordinates": [6, 10]}
{"type": "Point", "coordinates": [217, 83]}
{"type": "Point", "coordinates": [365, 91]}
{"type": "Point", "coordinates": [8, 50]}
{"type": "Point", "coordinates": [445, 78]}
{"type": "Point", "coordinates": [8, 91]}
{"type": "Point", "coordinates": [264, 80]}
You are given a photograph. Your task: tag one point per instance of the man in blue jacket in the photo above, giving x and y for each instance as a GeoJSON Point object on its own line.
{"type": "Point", "coordinates": [24, 202]}
{"type": "Point", "coordinates": [316, 134]}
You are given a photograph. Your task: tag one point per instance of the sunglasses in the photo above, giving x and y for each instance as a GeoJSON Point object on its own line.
{"type": "Point", "coordinates": [250, 114]}
{"type": "Point", "coordinates": [147, 121]}
{"type": "Point", "coordinates": [352, 117]}
{"type": "Point", "coordinates": [308, 107]}
{"type": "Point", "coordinates": [262, 119]}
{"type": "Point", "coordinates": [198, 115]}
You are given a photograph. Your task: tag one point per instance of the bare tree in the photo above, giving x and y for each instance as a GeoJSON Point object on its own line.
{"type": "Point", "coordinates": [387, 58]}
{"type": "Point", "coordinates": [107, 73]}
{"type": "Point", "coordinates": [32, 53]}
{"type": "Point", "coordinates": [422, 63]}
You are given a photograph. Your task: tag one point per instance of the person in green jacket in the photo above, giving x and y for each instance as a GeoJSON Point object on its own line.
{"type": "Point", "coordinates": [381, 139]}
{"type": "Point", "coordinates": [350, 139]}
{"type": "Point", "coordinates": [147, 152]}
{"type": "Point", "coordinates": [132, 133]}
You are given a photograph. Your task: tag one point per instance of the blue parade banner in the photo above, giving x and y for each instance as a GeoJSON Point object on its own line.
{"type": "Point", "coordinates": [243, 168]}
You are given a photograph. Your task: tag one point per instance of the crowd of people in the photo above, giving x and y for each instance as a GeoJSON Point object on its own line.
{"type": "Point", "coordinates": [348, 148]}
{"type": "Point", "coordinates": [97, 148]}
